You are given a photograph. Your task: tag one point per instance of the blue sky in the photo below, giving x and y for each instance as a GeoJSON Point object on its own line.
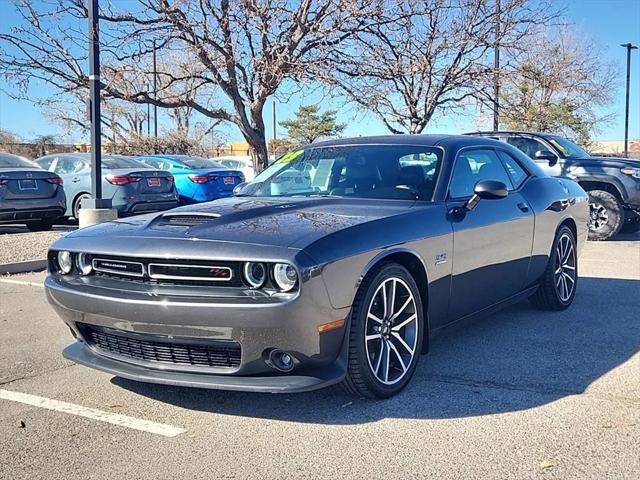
{"type": "Point", "coordinates": [608, 22]}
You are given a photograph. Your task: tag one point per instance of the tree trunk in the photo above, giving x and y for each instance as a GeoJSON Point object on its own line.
{"type": "Point", "coordinates": [258, 151]}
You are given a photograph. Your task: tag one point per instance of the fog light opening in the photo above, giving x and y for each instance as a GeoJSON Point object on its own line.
{"type": "Point", "coordinates": [281, 360]}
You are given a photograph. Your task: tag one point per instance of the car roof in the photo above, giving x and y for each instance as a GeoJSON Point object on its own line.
{"type": "Point", "coordinates": [513, 132]}
{"type": "Point", "coordinates": [431, 140]}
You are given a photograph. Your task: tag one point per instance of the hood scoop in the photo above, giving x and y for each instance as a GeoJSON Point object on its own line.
{"type": "Point", "coordinates": [190, 219]}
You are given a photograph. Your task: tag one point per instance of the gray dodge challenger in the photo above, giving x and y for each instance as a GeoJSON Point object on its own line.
{"type": "Point", "coordinates": [335, 265]}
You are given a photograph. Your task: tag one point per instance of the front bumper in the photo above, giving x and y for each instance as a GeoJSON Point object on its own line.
{"type": "Point", "coordinates": [258, 323]}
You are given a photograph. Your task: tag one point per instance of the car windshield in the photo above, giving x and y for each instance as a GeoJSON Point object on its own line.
{"type": "Point", "coordinates": [567, 148]}
{"type": "Point", "coordinates": [117, 161]}
{"type": "Point", "coordinates": [8, 160]}
{"type": "Point", "coordinates": [399, 172]}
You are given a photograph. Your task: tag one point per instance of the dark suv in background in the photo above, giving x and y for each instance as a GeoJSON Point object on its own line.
{"type": "Point", "coordinates": [613, 184]}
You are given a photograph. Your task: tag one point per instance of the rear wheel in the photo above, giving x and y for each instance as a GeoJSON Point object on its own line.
{"type": "Point", "coordinates": [385, 337]}
{"type": "Point", "coordinates": [605, 215]}
{"type": "Point", "coordinates": [40, 225]}
{"type": "Point", "coordinates": [558, 284]}
{"type": "Point", "coordinates": [77, 204]}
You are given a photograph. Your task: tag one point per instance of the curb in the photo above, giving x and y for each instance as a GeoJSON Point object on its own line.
{"type": "Point", "coordinates": [23, 267]}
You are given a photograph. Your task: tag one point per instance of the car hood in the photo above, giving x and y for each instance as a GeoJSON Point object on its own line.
{"type": "Point", "coordinates": [613, 162]}
{"type": "Point", "coordinates": [281, 222]}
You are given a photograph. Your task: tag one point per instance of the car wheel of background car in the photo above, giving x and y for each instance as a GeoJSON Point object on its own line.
{"type": "Point", "coordinates": [560, 279]}
{"type": "Point", "coordinates": [605, 215]}
{"type": "Point", "coordinates": [77, 204]}
{"type": "Point", "coordinates": [631, 226]}
{"type": "Point", "coordinates": [385, 337]}
{"type": "Point", "coordinates": [40, 225]}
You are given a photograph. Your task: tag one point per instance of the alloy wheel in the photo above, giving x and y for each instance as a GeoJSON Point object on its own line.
{"type": "Point", "coordinates": [391, 331]}
{"type": "Point", "coordinates": [565, 268]}
{"type": "Point", "coordinates": [598, 216]}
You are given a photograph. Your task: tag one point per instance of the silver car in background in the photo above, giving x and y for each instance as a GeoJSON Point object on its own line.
{"type": "Point", "coordinates": [132, 186]}
{"type": "Point", "coordinates": [29, 194]}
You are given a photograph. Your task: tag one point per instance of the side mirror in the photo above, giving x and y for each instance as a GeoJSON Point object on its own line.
{"type": "Point", "coordinates": [237, 190]}
{"type": "Point", "coordinates": [486, 190]}
{"type": "Point", "coordinates": [547, 155]}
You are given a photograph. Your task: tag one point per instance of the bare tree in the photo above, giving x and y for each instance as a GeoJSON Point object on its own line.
{"type": "Point", "coordinates": [246, 50]}
{"type": "Point", "coordinates": [559, 84]}
{"type": "Point", "coordinates": [430, 56]}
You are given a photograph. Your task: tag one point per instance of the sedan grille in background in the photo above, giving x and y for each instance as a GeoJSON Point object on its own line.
{"type": "Point", "coordinates": [214, 353]}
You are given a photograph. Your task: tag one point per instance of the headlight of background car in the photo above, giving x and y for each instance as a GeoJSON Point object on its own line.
{"type": "Point", "coordinates": [65, 261]}
{"type": "Point", "coordinates": [632, 171]}
{"type": "Point", "coordinates": [285, 276]}
{"type": "Point", "coordinates": [255, 274]}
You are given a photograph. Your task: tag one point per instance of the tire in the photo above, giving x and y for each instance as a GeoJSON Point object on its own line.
{"type": "Point", "coordinates": [77, 203]}
{"type": "Point", "coordinates": [550, 294]}
{"type": "Point", "coordinates": [43, 225]}
{"type": "Point", "coordinates": [631, 226]}
{"type": "Point", "coordinates": [381, 367]}
{"type": "Point", "coordinates": [606, 215]}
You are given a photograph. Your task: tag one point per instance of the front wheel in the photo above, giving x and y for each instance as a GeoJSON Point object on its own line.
{"type": "Point", "coordinates": [558, 284]}
{"type": "Point", "coordinates": [605, 215]}
{"type": "Point", "coordinates": [385, 337]}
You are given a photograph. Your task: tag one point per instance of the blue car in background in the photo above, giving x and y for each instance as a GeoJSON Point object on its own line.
{"type": "Point", "coordinates": [197, 179]}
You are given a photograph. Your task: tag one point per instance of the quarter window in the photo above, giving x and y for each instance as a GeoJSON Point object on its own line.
{"type": "Point", "coordinates": [473, 166]}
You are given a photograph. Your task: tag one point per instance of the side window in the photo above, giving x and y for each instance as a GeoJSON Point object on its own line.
{"type": "Point", "coordinates": [45, 162]}
{"type": "Point", "coordinates": [473, 166]}
{"type": "Point", "coordinates": [528, 145]}
{"type": "Point", "coordinates": [515, 171]}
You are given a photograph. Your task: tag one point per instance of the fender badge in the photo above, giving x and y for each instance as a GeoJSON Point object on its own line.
{"type": "Point", "coordinates": [441, 258]}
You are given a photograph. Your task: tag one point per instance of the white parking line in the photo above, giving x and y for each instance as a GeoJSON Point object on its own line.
{"type": "Point", "coordinates": [94, 414]}
{"type": "Point", "coordinates": [20, 282]}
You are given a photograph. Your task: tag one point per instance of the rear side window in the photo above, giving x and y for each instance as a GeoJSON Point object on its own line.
{"type": "Point", "coordinates": [528, 145]}
{"type": "Point", "coordinates": [473, 166]}
{"type": "Point", "coordinates": [514, 170]}
{"type": "Point", "coordinates": [66, 166]}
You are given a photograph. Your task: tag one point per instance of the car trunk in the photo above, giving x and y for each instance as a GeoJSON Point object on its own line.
{"type": "Point", "coordinates": [24, 184]}
{"type": "Point", "coordinates": [225, 180]}
{"type": "Point", "coordinates": [150, 183]}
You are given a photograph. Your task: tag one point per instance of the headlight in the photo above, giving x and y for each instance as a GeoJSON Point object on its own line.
{"type": "Point", "coordinates": [84, 264]}
{"type": "Point", "coordinates": [65, 261]}
{"type": "Point", "coordinates": [632, 171]}
{"type": "Point", "coordinates": [255, 274]}
{"type": "Point", "coordinates": [285, 276]}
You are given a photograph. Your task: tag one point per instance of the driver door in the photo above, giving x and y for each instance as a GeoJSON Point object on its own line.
{"type": "Point", "coordinates": [491, 244]}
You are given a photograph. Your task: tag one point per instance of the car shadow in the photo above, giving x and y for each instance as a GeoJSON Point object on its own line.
{"type": "Point", "coordinates": [517, 359]}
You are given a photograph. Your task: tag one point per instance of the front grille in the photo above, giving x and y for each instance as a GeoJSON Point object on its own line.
{"type": "Point", "coordinates": [213, 353]}
{"type": "Point", "coordinates": [168, 272]}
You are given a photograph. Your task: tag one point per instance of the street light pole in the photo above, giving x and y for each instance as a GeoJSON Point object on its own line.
{"type": "Point", "coordinates": [496, 71]}
{"type": "Point", "coordinates": [629, 47]}
{"type": "Point", "coordinates": [155, 93]}
{"type": "Point", "coordinates": [97, 201]}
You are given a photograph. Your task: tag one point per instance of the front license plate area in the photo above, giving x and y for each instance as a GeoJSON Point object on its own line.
{"type": "Point", "coordinates": [27, 184]}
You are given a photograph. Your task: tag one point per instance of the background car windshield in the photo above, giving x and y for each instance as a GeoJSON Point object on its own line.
{"type": "Point", "coordinates": [114, 161]}
{"type": "Point", "coordinates": [567, 148]}
{"type": "Point", "coordinates": [8, 160]}
{"type": "Point", "coordinates": [400, 172]}
{"type": "Point", "coordinates": [195, 162]}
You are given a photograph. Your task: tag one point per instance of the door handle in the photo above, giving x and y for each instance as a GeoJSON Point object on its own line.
{"type": "Point", "coordinates": [75, 179]}
{"type": "Point", "coordinates": [523, 206]}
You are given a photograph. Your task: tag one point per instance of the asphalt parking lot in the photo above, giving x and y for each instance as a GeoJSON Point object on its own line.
{"type": "Point", "coordinates": [522, 394]}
